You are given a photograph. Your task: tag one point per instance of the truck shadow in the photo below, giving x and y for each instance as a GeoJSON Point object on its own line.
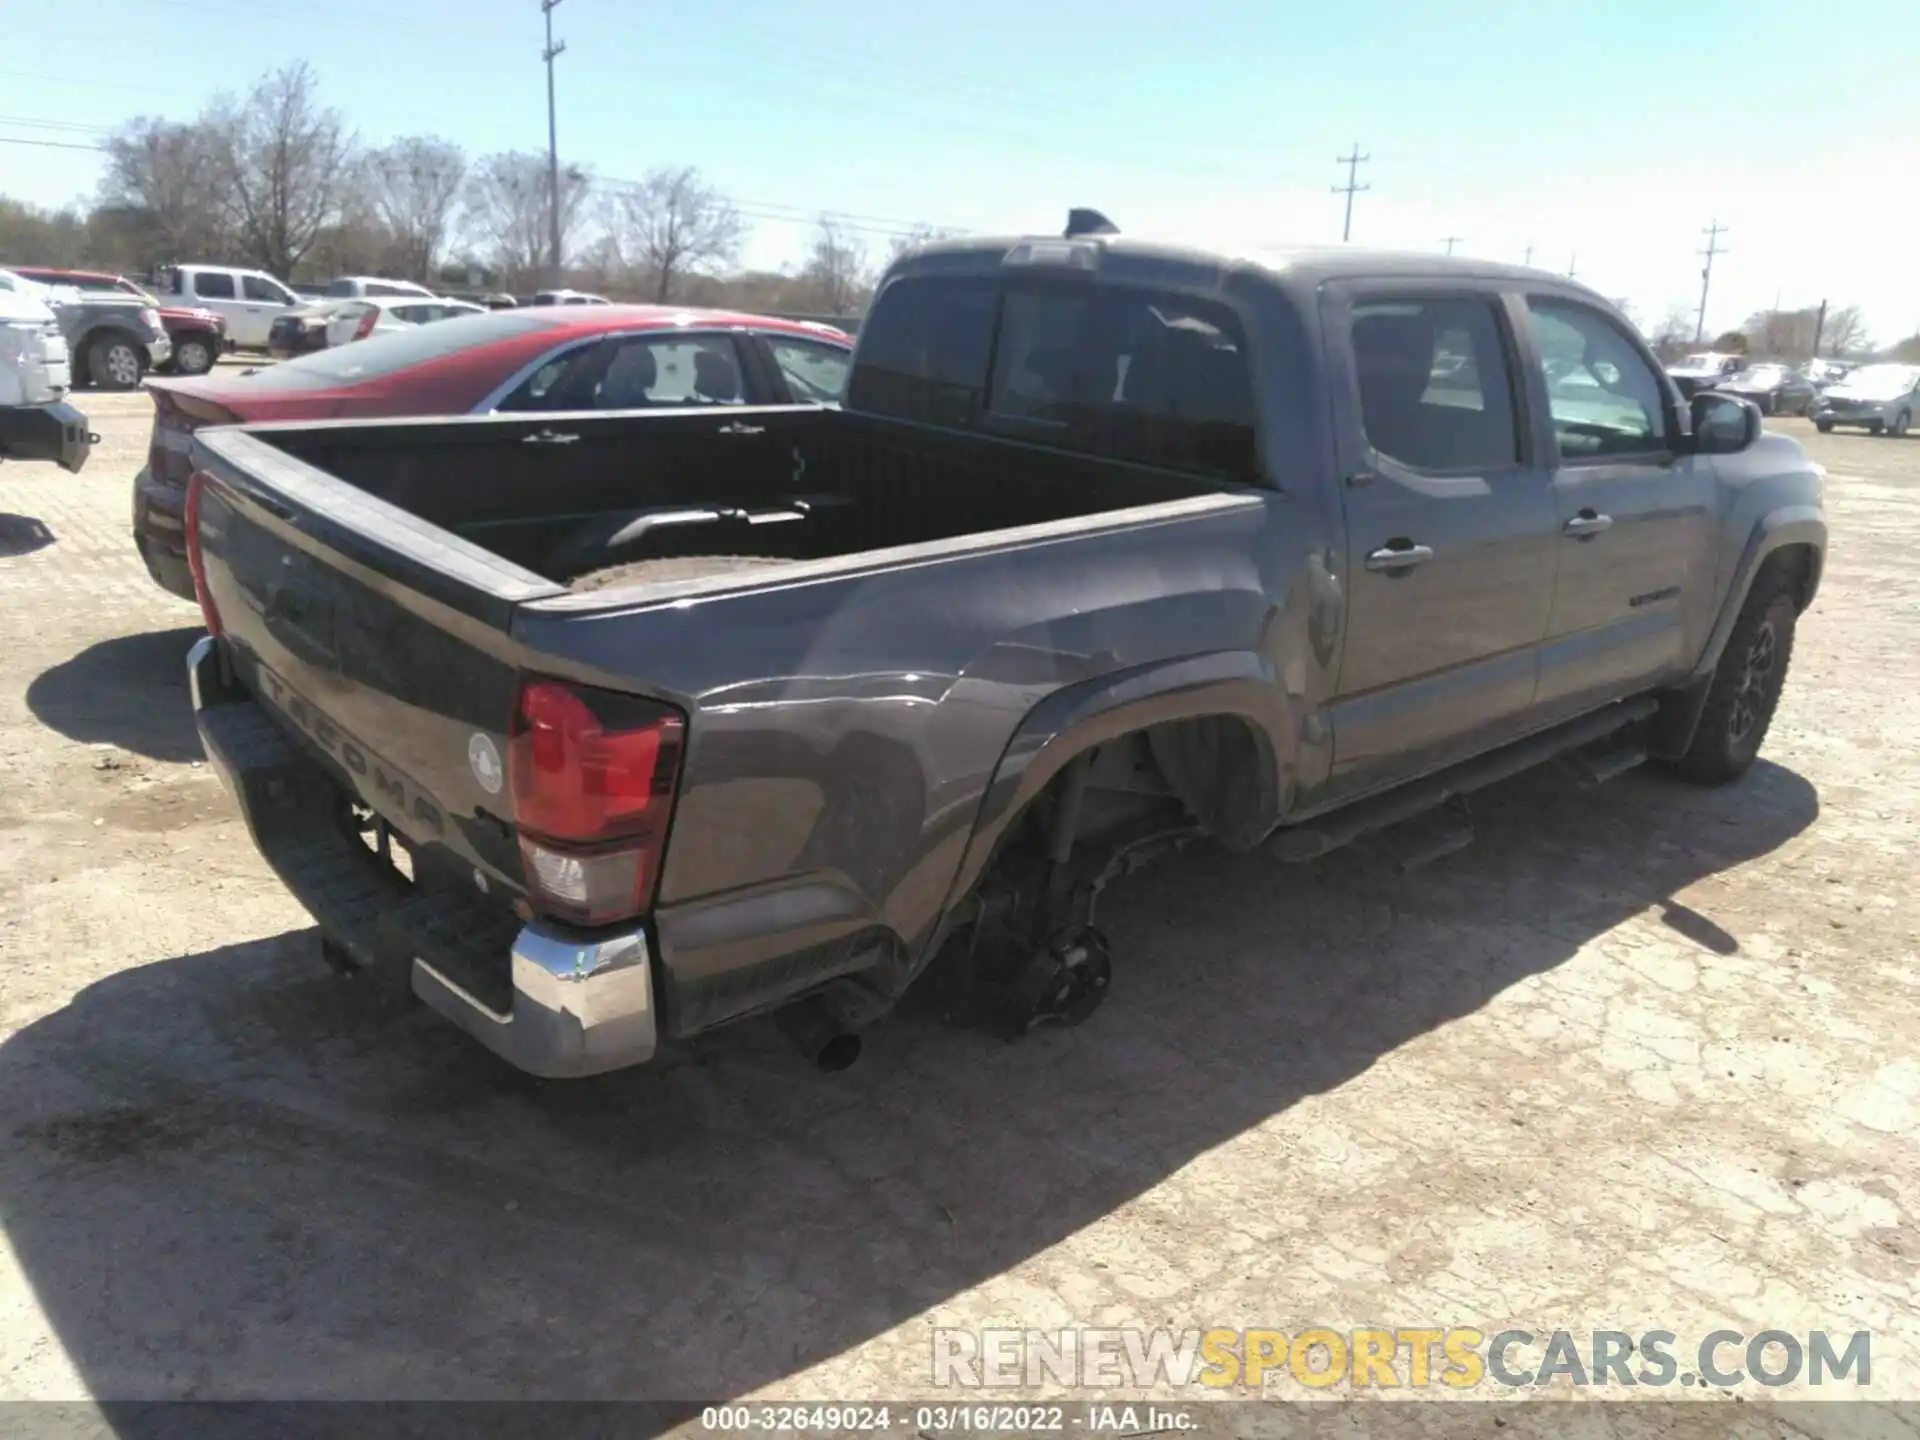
{"type": "Point", "coordinates": [22, 535]}
{"type": "Point", "coordinates": [232, 1174]}
{"type": "Point", "coordinates": [130, 691]}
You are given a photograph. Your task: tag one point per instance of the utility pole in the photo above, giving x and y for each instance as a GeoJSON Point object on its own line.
{"type": "Point", "coordinates": [1353, 163]}
{"type": "Point", "coordinates": [1713, 233]}
{"type": "Point", "coordinates": [1450, 241]}
{"type": "Point", "coordinates": [1529, 256]}
{"type": "Point", "coordinates": [1573, 261]}
{"type": "Point", "coordinates": [550, 54]}
{"type": "Point", "coordinates": [1819, 328]}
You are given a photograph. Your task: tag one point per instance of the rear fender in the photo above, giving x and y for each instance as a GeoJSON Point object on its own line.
{"type": "Point", "coordinates": [1231, 684]}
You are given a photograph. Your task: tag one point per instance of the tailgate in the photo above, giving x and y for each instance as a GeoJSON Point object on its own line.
{"type": "Point", "coordinates": [379, 640]}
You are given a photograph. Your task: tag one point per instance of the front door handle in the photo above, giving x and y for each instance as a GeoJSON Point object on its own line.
{"type": "Point", "coordinates": [1587, 523]}
{"type": "Point", "coordinates": [1399, 557]}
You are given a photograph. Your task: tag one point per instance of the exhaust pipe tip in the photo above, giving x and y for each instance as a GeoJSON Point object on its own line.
{"type": "Point", "coordinates": [818, 1036]}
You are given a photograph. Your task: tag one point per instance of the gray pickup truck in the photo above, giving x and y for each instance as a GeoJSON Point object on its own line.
{"type": "Point", "coordinates": [600, 730]}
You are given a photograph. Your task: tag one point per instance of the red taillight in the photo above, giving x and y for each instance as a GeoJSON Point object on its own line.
{"type": "Point", "coordinates": [593, 776]}
{"type": "Point", "coordinates": [367, 322]}
{"type": "Point", "coordinates": [196, 560]}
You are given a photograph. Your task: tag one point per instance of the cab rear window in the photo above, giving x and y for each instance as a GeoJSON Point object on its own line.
{"type": "Point", "coordinates": [1141, 375]}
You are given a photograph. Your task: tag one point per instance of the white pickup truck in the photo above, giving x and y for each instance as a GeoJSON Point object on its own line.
{"type": "Point", "coordinates": [36, 423]}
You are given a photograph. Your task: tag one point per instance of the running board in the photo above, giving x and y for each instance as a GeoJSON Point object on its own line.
{"type": "Point", "coordinates": [1315, 838]}
{"type": "Point", "coordinates": [1593, 770]}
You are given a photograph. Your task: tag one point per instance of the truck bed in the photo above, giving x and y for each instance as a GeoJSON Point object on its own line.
{"type": "Point", "coordinates": [566, 497]}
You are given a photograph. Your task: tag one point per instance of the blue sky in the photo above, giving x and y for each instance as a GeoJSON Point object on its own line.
{"type": "Point", "coordinates": [1605, 136]}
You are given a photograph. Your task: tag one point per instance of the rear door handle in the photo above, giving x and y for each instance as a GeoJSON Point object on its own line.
{"type": "Point", "coordinates": [1403, 557]}
{"type": "Point", "coordinates": [1587, 523]}
{"type": "Point", "coordinates": [737, 427]}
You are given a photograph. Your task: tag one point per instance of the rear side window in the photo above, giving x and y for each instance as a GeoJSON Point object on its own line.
{"type": "Point", "coordinates": [375, 287]}
{"type": "Point", "coordinates": [343, 288]}
{"type": "Point", "coordinates": [924, 353]}
{"type": "Point", "coordinates": [1436, 391]}
{"type": "Point", "coordinates": [213, 287]}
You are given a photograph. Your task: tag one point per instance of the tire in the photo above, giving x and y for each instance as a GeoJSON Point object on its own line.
{"type": "Point", "coordinates": [673, 567]}
{"type": "Point", "coordinates": [1825, 427]}
{"type": "Point", "coordinates": [1876, 427]}
{"type": "Point", "coordinates": [1746, 687]}
{"type": "Point", "coordinates": [114, 361]}
{"type": "Point", "coordinates": [192, 357]}
{"type": "Point", "coordinates": [1764, 403]}
{"type": "Point", "coordinates": [1901, 424]}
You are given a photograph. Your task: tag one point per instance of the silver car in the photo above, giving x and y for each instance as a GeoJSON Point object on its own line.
{"type": "Point", "coordinates": [1884, 399]}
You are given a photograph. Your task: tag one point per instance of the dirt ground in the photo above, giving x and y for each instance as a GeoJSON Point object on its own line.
{"type": "Point", "coordinates": [1641, 1059]}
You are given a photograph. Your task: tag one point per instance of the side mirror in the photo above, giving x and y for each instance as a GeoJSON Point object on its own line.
{"type": "Point", "coordinates": [1723, 424]}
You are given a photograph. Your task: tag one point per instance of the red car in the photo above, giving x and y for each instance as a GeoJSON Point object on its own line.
{"type": "Point", "coordinates": [589, 357]}
{"type": "Point", "coordinates": [199, 336]}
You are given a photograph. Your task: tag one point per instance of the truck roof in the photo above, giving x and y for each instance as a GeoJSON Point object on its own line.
{"type": "Point", "coordinates": [1300, 264]}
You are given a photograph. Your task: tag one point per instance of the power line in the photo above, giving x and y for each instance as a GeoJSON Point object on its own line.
{"type": "Point", "coordinates": [1713, 233]}
{"type": "Point", "coordinates": [550, 54]}
{"type": "Point", "coordinates": [1353, 163]}
{"type": "Point", "coordinates": [47, 144]}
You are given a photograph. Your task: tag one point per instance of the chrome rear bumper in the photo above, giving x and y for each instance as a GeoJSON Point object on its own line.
{"type": "Point", "coordinates": [574, 1003]}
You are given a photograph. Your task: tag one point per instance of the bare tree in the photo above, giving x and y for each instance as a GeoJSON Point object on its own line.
{"type": "Point", "coordinates": [415, 182]}
{"type": "Point", "coordinates": [673, 224]}
{"type": "Point", "coordinates": [913, 239]}
{"type": "Point", "coordinates": [1908, 350]}
{"type": "Point", "coordinates": [164, 179]}
{"type": "Point", "coordinates": [1845, 330]}
{"type": "Point", "coordinates": [506, 210]}
{"type": "Point", "coordinates": [1674, 333]}
{"type": "Point", "coordinates": [837, 268]}
{"type": "Point", "coordinates": [285, 160]}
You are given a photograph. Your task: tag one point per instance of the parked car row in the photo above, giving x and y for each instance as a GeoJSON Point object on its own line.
{"type": "Point", "coordinates": [339, 322]}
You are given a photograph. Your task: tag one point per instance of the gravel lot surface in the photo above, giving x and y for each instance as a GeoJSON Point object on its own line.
{"type": "Point", "coordinates": [1645, 1058]}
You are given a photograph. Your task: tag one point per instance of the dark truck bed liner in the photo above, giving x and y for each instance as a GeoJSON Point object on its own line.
{"type": "Point", "coordinates": [568, 495]}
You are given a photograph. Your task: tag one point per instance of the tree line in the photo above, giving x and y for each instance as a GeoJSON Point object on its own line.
{"type": "Point", "coordinates": [277, 179]}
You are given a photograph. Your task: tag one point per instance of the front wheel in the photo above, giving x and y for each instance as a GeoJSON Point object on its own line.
{"type": "Point", "coordinates": [1901, 423]}
{"type": "Point", "coordinates": [1825, 427]}
{"type": "Point", "coordinates": [114, 363]}
{"type": "Point", "coordinates": [1876, 427]}
{"type": "Point", "coordinates": [192, 357]}
{"type": "Point", "coordinates": [1745, 689]}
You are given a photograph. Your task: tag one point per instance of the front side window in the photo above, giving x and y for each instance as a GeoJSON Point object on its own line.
{"type": "Point", "coordinates": [258, 287]}
{"type": "Point", "coordinates": [213, 287]}
{"type": "Point", "coordinates": [816, 374]}
{"type": "Point", "coordinates": [1603, 396]}
{"type": "Point", "coordinates": [1436, 392]}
